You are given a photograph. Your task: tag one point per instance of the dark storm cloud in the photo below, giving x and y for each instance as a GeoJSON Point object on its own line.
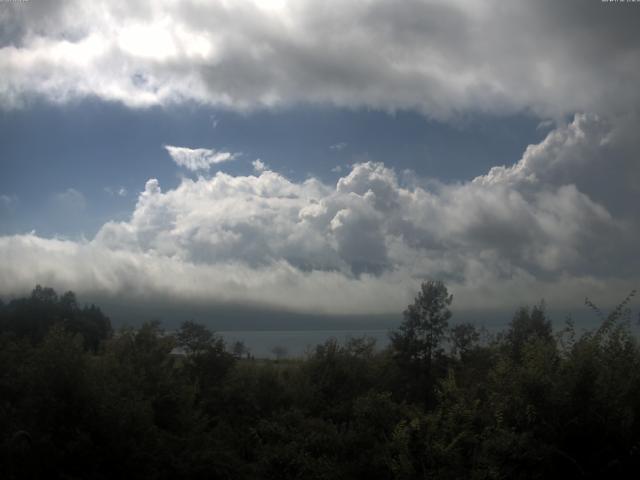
{"type": "Point", "coordinates": [442, 58]}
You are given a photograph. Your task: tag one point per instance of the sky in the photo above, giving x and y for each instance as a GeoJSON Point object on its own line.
{"type": "Point", "coordinates": [302, 159]}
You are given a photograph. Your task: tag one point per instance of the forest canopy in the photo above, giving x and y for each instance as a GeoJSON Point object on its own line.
{"type": "Point", "coordinates": [443, 400]}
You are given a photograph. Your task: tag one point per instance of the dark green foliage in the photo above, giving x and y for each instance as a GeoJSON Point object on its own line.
{"type": "Point", "coordinates": [337, 375]}
{"type": "Point", "coordinates": [194, 338]}
{"type": "Point", "coordinates": [417, 345]}
{"type": "Point", "coordinates": [527, 326]}
{"type": "Point", "coordinates": [32, 317]}
{"type": "Point", "coordinates": [145, 403]}
{"type": "Point", "coordinates": [464, 339]}
{"type": "Point", "coordinates": [205, 360]}
{"type": "Point", "coordinates": [418, 341]}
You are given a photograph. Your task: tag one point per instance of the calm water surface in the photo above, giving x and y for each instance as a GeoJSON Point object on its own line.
{"type": "Point", "coordinates": [296, 342]}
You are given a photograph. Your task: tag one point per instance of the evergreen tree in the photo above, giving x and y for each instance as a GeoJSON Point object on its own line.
{"type": "Point", "coordinates": [417, 344]}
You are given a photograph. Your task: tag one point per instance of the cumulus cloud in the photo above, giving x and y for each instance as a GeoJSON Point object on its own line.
{"type": "Point", "coordinates": [195, 159]}
{"type": "Point", "coordinates": [259, 165]}
{"type": "Point", "coordinates": [439, 57]}
{"type": "Point", "coordinates": [517, 234]}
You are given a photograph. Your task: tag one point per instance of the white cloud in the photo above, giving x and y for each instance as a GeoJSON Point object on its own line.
{"type": "Point", "coordinates": [339, 146]}
{"type": "Point", "coordinates": [8, 204]}
{"type": "Point", "coordinates": [514, 235]}
{"type": "Point", "coordinates": [70, 201]}
{"type": "Point", "coordinates": [67, 210]}
{"type": "Point", "coordinates": [197, 158]}
{"type": "Point", "coordinates": [438, 57]}
{"type": "Point", "coordinates": [8, 201]}
{"type": "Point", "coordinates": [119, 191]}
{"type": "Point", "coordinates": [259, 165]}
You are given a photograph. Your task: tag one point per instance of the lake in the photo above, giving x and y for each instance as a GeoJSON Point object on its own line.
{"type": "Point", "coordinates": [296, 342]}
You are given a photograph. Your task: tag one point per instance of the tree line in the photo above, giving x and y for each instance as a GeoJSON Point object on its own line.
{"type": "Point", "coordinates": [78, 400]}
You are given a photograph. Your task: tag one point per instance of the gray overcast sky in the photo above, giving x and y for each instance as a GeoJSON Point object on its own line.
{"type": "Point", "coordinates": [320, 157]}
